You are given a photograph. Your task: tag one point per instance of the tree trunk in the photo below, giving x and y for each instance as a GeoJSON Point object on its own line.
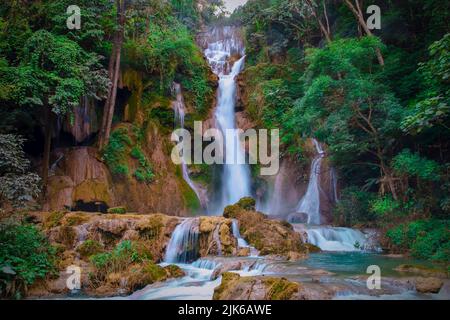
{"type": "Point", "coordinates": [48, 125]}
{"type": "Point", "coordinates": [113, 72]}
{"type": "Point", "coordinates": [357, 12]}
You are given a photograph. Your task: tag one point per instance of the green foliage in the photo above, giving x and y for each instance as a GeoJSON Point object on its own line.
{"type": "Point", "coordinates": [17, 185]}
{"type": "Point", "coordinates": [57, 72]}
{"type": "Point", "coordinates": [434, 109]}
{"type": "Point", "coordinates": [413, 165]}
{"type": "Point", "coordinates": [118, 150]}
{"type": "Point", "coordinates": [25, 256]}
{"type": "Point", "coordinates": [117, 260]}
{"type": "Point", "coordinates": [426, 239]}
{"type": "Point", "coordinates": [353, 207]}
{"type": "Point", "coordinates": [170, 54]}
{"type": "Point", "coordinates": [117, 210]}
{"type": "Point", "coordinates": [89, 248]}
{"type": "Point", "coordinates": [115, 152]}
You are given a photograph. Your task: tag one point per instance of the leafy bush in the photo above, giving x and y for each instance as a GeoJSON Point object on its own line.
{"type": "Point", "coordinates": [115, 152]}
{"type": "Point", "coordinates": [426, 239]}
{"type": "Point", "coordinates": [124, 254]}
{"type": "Point", "coordinates": [413, 165]}
{"type": "Point", "coordinates": [89, 248]}
{"type": "Point", "coordinates": [353, 207]}
{"type": "Point", "coordinates": [17, 186]}
{"type": "Point", "coordinates": [25, 255]}
{"type": "Point", "coordinates": [117, 210]}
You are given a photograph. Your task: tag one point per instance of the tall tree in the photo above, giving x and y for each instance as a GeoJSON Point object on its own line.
{"type": "Point", "coordinates": [113, 73]}
{"type": "Point", "coordinates": [357, 12]}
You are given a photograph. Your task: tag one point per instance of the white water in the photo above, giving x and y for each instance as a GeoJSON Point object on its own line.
{"type": "Point", "coordinates": [180, 112]}
{"type": "Point", "coordinates": [235, 228]}
{"type": "Point", "coordinates": [236, 175]}
{"type": "Point", "coordinates": [183, 245]}
{"type": "Point", "coordinates": [335, 238]}
{"type": "Point", "coordinates": [310, 203]}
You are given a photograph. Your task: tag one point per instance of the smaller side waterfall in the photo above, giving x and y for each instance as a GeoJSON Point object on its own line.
{"type": "Point", "coordinates": [310, 203]}
{"type": "Point", "coordinates": [180, 112]}
{"type": "Point", "coordinates": [337, 239]}
{"type": "Point", "coordinates": [183, 247]}
{"type": "Point", "coordinates": [235, 228]}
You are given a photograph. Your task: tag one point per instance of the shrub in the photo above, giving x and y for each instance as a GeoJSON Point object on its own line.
{"type": "Point", "coordinates": [89, 248]}
{"type": "Point", "coordinates": [353, 207]}
{"type": "Point", "coordinates": [425, 239]}
{"type": "Point", "coordinates": [25, 255]}
{"type": "Point", "coordinates": [117, 210]}
{"type": "Point", "coordinates": [17, 185]}
{"type": "Point", "coordinates": [123, 255]}
{"type": "Point", "coordinates": [115, 152]}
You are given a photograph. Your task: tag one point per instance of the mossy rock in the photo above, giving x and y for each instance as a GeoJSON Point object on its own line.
{"type": "Point", "coordinates": [75, 219]}
{"type": "Point", "coordinates": [311, 248]}
{"type": "Point", "coordinates": [154, 272]}
{"type": "Point", "coordinates": [53, 219]}
{"type": "Point", "coordinates": [247, 203]}
{"type": "Point", "coordinates": [92, 191]}
{"type": "Point", "coordinates": [117, 210]}
{"type": "Point", "coordinates": [89, 248]}
{"type": "Point", "coordinates": [174, 271]}
{"type": "Point", "coordinates": [281, 289]}
{"type": "Point", "coordinates": [66, 235]}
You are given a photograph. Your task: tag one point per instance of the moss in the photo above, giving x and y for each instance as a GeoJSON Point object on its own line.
{"type": "Point", "coordinates": [117, 210]}
{"type": "Point", "coordinates": [53, 219]}
{"type": "Point", "coordinates": [75, 219]}
{"type": "Point", "coordinates": [66, 236]}
{"type": "Point", "coordinates": [281, 289]}
{"type": "Point", "coordinates": [229, 279]}
{"type": "Point", "coordinates": [92, 191]}
{"type": "Point", "coordinates": [155, 272]}
{"type": "Point", "coordinates": [89, 248]}
{"type": "Point", "coordinates": [151, 227]}
{"type": "Point", "coordinates": [174, 271]}
{"type": "Point", "coordinates": [247, 203]}
{"type": "Point", "coordinates": [190, 199]}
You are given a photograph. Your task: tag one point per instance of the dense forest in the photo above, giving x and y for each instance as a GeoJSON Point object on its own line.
{"type": "Point", "coordinates": [377, 99]}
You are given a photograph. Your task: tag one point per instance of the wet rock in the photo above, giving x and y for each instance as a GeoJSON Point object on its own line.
{"type": "Point", "coordinates": [243, 252]}
{"type": "Point", "coordinates": [266, 235]}
{"type": "Point", "coordinates": [421, 270]}
{"type": "Point", "coordinates": [235, 287]}
{"type": "Point", "coordinates": [428, 285]}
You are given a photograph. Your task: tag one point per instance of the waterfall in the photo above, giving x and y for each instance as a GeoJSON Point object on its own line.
{"type": "Point", "coordinates": [333, 180]}
{"type": "Point", "coordinates": [235, 228]}
{"type": "Point", "coordinates": [180, 111]}
{"type": "Point", "coordinates": [183, 245]}
{"type": "Point", "coordinates": [337, 239]}
{"type": "Point", "coordinates": [310, 203]}
{"type": "Point", "coordinates": [223, 45]}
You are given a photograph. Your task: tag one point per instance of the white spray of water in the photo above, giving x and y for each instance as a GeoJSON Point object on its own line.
{"type": "Point", "coordinates": [183, 245]}
{"type": "Point", "coordinates": [310, 203]}
{"type": "Point", "coordinates": [236, 175]}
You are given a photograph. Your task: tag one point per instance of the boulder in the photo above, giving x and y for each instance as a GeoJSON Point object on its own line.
{"type": "Point", "coordinates": [266, 235]}
{"type": "Point", "coordinates": [428, 285]}
{"type": "Point", "coordinates": [235, 287]}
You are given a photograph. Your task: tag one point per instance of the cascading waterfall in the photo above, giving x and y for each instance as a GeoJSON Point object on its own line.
{"type": "Point", "coordinates": [337, 239]}
{"type": "Point", "coordinates": [224, 45]}
{"type": "Point", "coordinates": [180, 111]}
{"type": "Point", "coordinates": [235, 228]}
{"type": "Point", "coordinates": [310, 203]}
{"type": "Point", "coordinates": [183, 245]}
